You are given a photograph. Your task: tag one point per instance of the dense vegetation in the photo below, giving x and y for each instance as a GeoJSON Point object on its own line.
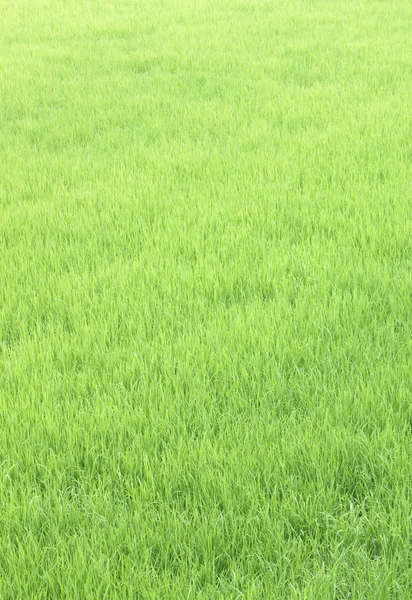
{"type": "Point", "coordinates": [205, 299]}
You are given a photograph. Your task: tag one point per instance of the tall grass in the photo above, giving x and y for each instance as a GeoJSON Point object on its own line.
{"type": "Point", "coordinates": [205, 299]}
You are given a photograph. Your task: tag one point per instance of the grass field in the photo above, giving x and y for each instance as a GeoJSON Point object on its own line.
{"type": "Point", "coordinates": [205, 299]}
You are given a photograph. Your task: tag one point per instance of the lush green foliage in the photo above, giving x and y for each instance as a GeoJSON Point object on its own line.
{"type": "Point", "coordinates": [205, 299]}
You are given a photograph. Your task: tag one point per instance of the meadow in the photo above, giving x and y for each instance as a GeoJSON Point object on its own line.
{"type": "Point", "coordinates": [205, 299]}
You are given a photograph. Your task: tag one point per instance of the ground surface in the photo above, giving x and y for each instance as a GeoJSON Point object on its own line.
{"type": "Point", "coordinates": [205, 299]}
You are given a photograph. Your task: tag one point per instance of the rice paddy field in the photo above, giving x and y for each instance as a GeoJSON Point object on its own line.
{"type": "Point", "coordinates": [205, 299]}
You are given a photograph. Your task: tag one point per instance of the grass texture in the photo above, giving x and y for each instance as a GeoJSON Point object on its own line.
{"type": "Point", "coordinates": [205, 299]}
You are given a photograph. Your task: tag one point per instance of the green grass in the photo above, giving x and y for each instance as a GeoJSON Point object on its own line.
{"type": "Point", "coordinates": [205, 299]}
